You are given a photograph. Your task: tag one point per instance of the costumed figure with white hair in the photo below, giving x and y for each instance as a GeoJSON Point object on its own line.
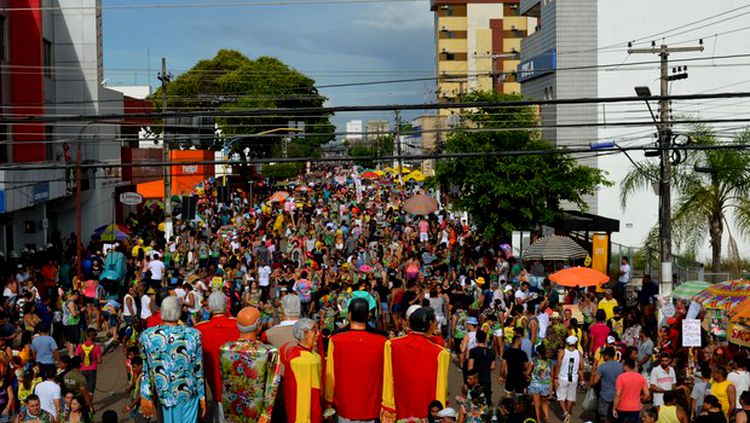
{"type": "Point", "coordinates": [250, 373]}
{"type": "Point", "coordinates": [173, 384]}
{"type": "Point", "coordinates": [302, 370]}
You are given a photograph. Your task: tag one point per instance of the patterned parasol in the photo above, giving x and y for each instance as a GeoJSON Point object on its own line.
{"type": "Point", "coordinates": [555, 248]}
{"type": "Point", "coordinates": [724, 295]}
{"type": "Point", "coordinates": [688, 290]}
{"type": "Point", "coordinates": [421, 204]}
{"type": "Point", "coordinates": [278, 197]}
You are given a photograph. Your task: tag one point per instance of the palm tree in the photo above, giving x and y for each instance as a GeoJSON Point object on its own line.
{"type": "Point", "coordinates": [711, 185]}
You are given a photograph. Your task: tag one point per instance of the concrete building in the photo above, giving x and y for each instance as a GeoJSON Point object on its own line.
{"type": "Point", "coordinates": [477, 45]}
{"type": "Point", "coordinates": [564, 38]}
{"type": "Point", "coordinates": [354, 130]}
{"type": "Point", "coordinates": [53, 52]}
{"type": "Point", "coordinates": [376, 129]}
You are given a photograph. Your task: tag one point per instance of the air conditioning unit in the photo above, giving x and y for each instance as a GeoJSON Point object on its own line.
{"type": "Point", "coordinates": [514, 6]}
{"type": "Point", "coordinates": [513, 28]}
{"type": "Point", "coordinates": [444, 29]}
{"type": "Point", "coordinates": [445, 7]}
{"type": "Point", "coordinates": [445, 50]}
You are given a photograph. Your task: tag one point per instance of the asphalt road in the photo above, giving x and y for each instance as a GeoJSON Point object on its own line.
{"type": "Point", "coordinates": [112, 385]}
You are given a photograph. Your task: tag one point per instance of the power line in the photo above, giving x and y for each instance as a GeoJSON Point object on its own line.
{"type": "Point", "coordinates": [285, 112]}
{"type": "Point", "coordinates": [188, 5]}
{"type": "Point", "coordinates": [480, 154]}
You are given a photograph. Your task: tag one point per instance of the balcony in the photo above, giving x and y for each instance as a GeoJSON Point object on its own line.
{"type": "Point", "coordinates": [530, 8]}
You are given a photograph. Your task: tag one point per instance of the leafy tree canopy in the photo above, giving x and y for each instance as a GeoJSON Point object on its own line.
{"type": "Point", "coordinates": [507, 193]}
{"type": "Point", "coordinates": [231, 81]}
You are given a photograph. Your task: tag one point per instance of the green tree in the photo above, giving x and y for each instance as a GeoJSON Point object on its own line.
{"type": "Point", "coordinates": [231, 81]}
{"type": "Point", "coordinates": [705, 198]}
{"type": "Point", "coordinates": [507, 193]}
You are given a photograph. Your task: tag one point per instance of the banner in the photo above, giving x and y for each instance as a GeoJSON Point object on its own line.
{"type": "Point", "coordinates": [740, 334]}
{"type": "Point", "coordinates": [691, 333]}
{"type": "Point", "coordinates": [600, 255]}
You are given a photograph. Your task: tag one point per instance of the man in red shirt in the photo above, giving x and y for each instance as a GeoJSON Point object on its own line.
{"type": "Point", "coordinates": [355, 355]}
{"type": "Point", "coordinates": [215, 333]}
{"type": "Point", "coordinates": [415, 370]}
{"type": "Point", "coordinates": [631, 389]}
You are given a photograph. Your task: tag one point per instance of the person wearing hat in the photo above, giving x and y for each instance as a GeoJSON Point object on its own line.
{"type": "Point", "coordinates": [469, 342]}
{"type": "Point", "coordinates": [568, 372]}
{"type": "Point", "coordinates": [243, 395]}
{"type": "Point", "coordinates": [447, 415]}
{"type": "Point", "coordinates": [354, 355]}
{"type": "Point", "coordinates": [215, 332]}
{"type": "Point", "coordinates": [415, 370]}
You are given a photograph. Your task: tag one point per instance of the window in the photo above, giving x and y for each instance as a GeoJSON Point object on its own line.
{"type": "Point", "coordinates": [450, 56]}
{"type": "Point", "coordinates": [48, 59]}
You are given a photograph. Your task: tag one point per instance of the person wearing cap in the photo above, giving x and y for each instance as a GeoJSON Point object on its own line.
{"type": "Point", "coordinates": [610, 342]}
{"type": "Point", "coordinates": [250, 373]}
{"type": "Point", "coordinates": [606, 373]}
{"type": "Point", "coordinates": [173, 368]}
{"type": "Point", "coordinates": [355, 354]}
{"type": "Point", "coordinates": [302, 377]}
{"type": "Point", "coordinates": [282, 333]}
{"type": "Point", "coordinates": [447, 415]}
{"type": "Point", "coordinates": [469, 342]}
{"type": "Point", "coordinates": [568, 372]}
{"type": "Point", "coordinates": [415, 370]}
{"type": "Point", "coordinates": [216, 332]}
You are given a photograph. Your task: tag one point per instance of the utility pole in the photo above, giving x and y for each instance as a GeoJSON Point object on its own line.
{"type": "Point", "coordinates": [165, 78]}
{"type": "Point", "coordinates": [398, 148]}
{"type": "Point", "coordinates": [665, 165]}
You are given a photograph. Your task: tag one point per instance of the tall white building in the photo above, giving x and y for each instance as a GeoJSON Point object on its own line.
{"type": "Point", "coordinates": [558, 60]}
{"type": "Point", "coordinates": [54, 55]}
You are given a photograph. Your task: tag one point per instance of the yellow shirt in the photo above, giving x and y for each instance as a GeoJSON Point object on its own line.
{"type": "Point", "coordinates": [608, 306]}
{"type": "Point", "coordinates": [719, 390]}
{"type": "Point", "coordinates": [668, 414]}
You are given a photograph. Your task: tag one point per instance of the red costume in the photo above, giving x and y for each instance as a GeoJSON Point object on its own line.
{"type": "Point", "coordinates": [215, 333]}
{"type": "Point", "coordinates": [302, 382]}
{"type": "Point", "coordinates": [355, 356]}
{"type": "Point", "coordinates": [415, 373]}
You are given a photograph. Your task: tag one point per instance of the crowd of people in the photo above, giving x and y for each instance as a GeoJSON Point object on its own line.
{"type": "Point", "coordinates": [337, 303]}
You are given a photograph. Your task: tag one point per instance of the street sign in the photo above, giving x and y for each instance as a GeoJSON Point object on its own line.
{"type": "Point", "coordinates": [131, 198]}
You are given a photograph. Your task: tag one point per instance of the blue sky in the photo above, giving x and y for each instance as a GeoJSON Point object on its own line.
{"type": "Point", "coordinates": [330, 43]}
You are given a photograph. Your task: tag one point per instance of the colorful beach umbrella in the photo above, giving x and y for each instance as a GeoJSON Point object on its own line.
{"type": "Point", "coordinates": [724, 295]}
{"type": "Point", "coordinates": [579, 277]}
{"type": "Point", "coordinates": [688, 290]}
{"type": "Point", "coordinates": [421, 205]}
{"type": "Point", "coordinates": [370, 175]}
{"type": "Point", "coordinates": [278, 197]}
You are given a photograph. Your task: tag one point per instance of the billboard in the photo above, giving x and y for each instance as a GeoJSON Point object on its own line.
{"type": "Point", "coordinates": [537, 66]}
{"type": "Point", "coordinates": [184, 176]}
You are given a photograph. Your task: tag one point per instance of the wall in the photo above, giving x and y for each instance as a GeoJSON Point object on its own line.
{"type": "Point", "coordinates": [27, 88]}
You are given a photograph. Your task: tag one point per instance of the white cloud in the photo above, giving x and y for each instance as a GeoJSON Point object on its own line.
{"type": "Point", "coordinates": [399, 17]}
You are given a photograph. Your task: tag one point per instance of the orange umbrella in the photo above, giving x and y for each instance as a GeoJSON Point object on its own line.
{"type": "Point", "coordinates": [279, 197]}
{"type": "Point", "coordinates": [579, 277]}
{"type": "Point", "coordinates": [370, 175]}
